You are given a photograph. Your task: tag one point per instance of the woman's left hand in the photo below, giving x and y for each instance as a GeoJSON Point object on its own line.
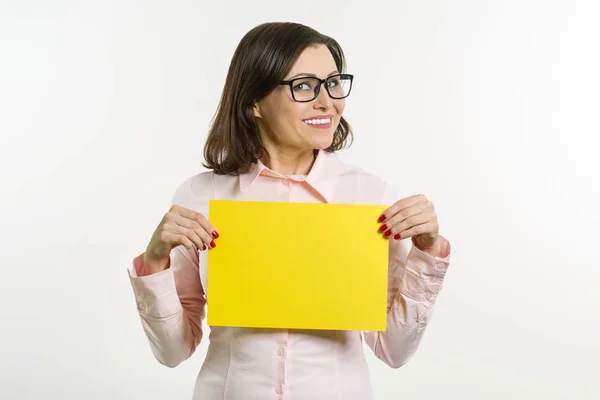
{"type": "Point", "coordinates": [414, 217]}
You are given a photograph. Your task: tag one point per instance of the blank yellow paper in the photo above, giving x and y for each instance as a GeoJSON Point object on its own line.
{"type": "Point", "coordinates": [297, 266]}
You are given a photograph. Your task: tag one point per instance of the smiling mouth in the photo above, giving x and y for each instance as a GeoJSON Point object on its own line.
{"type": "Point", "coordinates": [318, 121]}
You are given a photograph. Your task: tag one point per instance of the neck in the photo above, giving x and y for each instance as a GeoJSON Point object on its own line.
{"type": "Point", "coordinates": [289, 162]}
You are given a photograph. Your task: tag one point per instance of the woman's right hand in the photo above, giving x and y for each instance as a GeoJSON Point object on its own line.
{"type": "Point", "coordinates": [179, 227]}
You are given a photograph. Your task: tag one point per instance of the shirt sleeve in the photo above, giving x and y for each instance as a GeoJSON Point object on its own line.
{"type": "Point", "coordinates": [171, 305]}
{"type": "Point", "coordinates": [414, 282]}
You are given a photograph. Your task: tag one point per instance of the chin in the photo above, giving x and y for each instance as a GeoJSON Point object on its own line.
{"type": "Point", "coordinates": [318, 139]}
{"type": "Point", "coordinates": [322, 143]}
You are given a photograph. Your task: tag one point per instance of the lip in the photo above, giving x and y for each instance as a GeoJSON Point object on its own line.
{"type": "Point", "coordinates": [320, 126]}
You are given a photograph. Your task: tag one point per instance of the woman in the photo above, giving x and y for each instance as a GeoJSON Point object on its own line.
{"type": "Point", "coordinates": [274, 138]}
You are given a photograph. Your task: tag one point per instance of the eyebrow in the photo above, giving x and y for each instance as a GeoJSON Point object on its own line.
{"type": "Point", "coordinates": [312, 75]}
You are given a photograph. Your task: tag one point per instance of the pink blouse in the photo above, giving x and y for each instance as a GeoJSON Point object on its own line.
{"type": "Point", "coordinates": [262, 364]}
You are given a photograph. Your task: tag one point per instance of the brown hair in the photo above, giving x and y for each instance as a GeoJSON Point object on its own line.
{"type": "Point", "coordinates": [262, 59]}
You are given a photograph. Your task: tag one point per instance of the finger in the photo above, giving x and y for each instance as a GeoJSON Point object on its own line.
{"type": "Point", "coordinates": [418, 229]}
{"type": "Point", "coordinates": [196, 227]}
{"type": "Point", "coordinates": [175, 239]}
{"type": "Point", "coordinates": [403, 215]}
{"type": "Point", "coordinates": [407, 224]}
{"type": "Point", "coordinates": [198, 217]}
{"type": "Point", "coordinates": [190, 234]}
{"type": "Point", "coordinates": [400, 205]}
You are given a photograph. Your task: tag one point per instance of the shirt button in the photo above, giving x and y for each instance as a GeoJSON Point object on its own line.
{"type": "Point", "coordinates": [279, 390]}
{"type": "Point", "coordinates": [280, 352]}
{"type": "Point", "coordinates": [428, 295]}
{"type": "Point", "coordinates": [287, 182]}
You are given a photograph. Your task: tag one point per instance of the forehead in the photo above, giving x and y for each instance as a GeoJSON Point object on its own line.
{"type": "Point", "coordinates": [315, 60]}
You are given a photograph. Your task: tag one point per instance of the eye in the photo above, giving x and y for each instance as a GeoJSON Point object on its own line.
{"type": "Point", "coordinates": [333, 82]}
{"type": "Point", "coordinates": [302, 86]}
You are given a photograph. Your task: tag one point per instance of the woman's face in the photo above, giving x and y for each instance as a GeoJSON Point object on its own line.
{"type": "Point", "coordinates": [289, 125]}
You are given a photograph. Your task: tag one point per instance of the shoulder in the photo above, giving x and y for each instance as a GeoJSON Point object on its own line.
{"type": "Point", "coordinates": [357, 172]}
{"type": "Point", "coordinates": [353, 171]}
{"type": "Point", "coordinates": [195, 191]}
{"type": "Point", "coordinates": [192, 185]}
{"type": "Point", "coordinates": [365, 180]}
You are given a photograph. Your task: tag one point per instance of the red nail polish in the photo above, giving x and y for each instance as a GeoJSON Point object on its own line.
{"type": "Point", "coordinates": [381, 218]}
{"type": "Point", "coordinates": [215, 234]}
{"type": "Point", "coordinates": [383, 228]}
{"type": "Point", "coordinates": [397, 236]}
{"type": "Point", "coordinates": [212, 243]}
{"type": "Point", "coordinates": [388, 233]}
{"type": "Point", "coordinates": [203, 247]}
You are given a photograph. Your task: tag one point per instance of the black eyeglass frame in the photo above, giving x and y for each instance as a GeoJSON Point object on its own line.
{"type": "Point", "coordinates": [317, 89]}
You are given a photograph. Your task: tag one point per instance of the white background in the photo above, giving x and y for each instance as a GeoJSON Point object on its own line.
{"type": "Point", "coordinates": [490, 108]}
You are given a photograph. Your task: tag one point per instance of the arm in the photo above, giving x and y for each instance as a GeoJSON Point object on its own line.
{"type": "Point", "coordinates": [414, 281]}
{"type": "Point", "coordinates": [170, 304]}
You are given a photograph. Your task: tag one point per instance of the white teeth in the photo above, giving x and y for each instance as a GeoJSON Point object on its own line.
{"type": "Point", "coordinates": [318, 121]}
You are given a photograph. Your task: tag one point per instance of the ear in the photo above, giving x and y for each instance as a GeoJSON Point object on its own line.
{"type": "Point", "coordinates": [256, 110]}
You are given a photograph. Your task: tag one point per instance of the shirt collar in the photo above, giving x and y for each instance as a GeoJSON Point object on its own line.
{"type": "Point", "coordinates": [322, 176]}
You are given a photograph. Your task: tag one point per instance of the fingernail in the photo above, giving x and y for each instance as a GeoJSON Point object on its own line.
{"type": "Point", "coordinates": [215, 234]}
{"type": "Point", "coordinates": [383, 228]}
{"type": "Point", "coordinates": [212, 243]}
{"type": "Point", "coordinates": [381, 218]}
{"type": "Point", "coordinates": [388, 233]}
{"type": "Point", "coordinates": [397, 236]}
{"type": "Point", "coordinates": [203, 247]}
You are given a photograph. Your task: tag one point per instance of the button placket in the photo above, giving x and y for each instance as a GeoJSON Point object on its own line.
{"type": "Point", "coordinates": [280, 362]}
{"type": "Point", "coordinates": [285, 191]}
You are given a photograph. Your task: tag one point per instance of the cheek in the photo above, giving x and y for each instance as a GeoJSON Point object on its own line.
{"type": "Point", "coordinates": [339, 106]}
{"type": "Point", "coordinates": [297, 112]}
{"type": "Point", "coordinates": [281, 112]}
{"type": "Point", "coordinates": [279, 119]}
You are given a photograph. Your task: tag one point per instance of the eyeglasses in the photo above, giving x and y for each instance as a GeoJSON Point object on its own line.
{"type": "Point", "coordinates": [305, 89]}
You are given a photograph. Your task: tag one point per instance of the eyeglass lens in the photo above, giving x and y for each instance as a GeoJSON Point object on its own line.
{"type": "Point", "coordinates": [305, 89]}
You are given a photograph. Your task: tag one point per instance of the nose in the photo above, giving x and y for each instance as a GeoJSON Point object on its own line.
{"type": "Point", "coordinates": [323, 101]}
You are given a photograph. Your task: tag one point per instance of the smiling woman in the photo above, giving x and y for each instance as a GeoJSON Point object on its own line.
{"type": "Point", "coordinates": [274, 138]}
{"type": "Point", "coordinates": [272, 92]}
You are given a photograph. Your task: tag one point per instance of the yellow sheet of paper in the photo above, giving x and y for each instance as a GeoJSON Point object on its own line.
{"type": "Point", "coordinates": [297, 266]}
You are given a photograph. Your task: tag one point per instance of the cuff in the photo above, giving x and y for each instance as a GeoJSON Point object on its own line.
{"type": "Point", "coordinates": [442, 250]}
{"type": "Point", "coordinates": [155, 294]}
{"type": "Point", "coordinates": [424, 275]}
